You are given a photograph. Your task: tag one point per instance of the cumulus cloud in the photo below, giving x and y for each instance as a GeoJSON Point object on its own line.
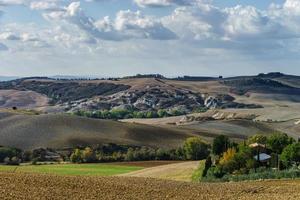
{"type": "Point", "coordinates": [12, 2]}
{"type": "Point", "coordinates": [165, 3]}
{"type": "Point", "coordinates": [238, 25]}
{"type": "Point", "coordinates": [126, 25]}
{"type": "Point", "coordinates": [44, 5]}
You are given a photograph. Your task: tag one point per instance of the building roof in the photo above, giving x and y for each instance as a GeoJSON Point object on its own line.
{"type": "Point", "coordinates": [262, 157]}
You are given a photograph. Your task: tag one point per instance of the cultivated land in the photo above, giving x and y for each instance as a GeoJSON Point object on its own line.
{"type": "Point", "coordinates": [36, 186]}
{"type": "Point", "coordinates": [63, 131]}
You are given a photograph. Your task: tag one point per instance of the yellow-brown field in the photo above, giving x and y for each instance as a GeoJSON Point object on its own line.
{"type": "Point", "coordinates": [38, 186]}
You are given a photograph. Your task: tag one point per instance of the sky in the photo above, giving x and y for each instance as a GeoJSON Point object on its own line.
{"type": "Point", "coordinates": [171, 37]}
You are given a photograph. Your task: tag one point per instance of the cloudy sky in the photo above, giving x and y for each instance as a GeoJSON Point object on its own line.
{"type": "Point", "coordinates": [171, 37]}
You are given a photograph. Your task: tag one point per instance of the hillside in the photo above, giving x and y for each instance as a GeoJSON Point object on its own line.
{"type": "Point", "coordinates": [268, 102]}
{"type": "Point", "coordinates": [63, 131]}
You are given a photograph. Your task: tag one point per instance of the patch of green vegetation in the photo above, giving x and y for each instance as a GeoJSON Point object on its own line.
{"type": "Point", "coordinates": [73, 169]}
{"type": "Point", "coordinates": [197, 175]}
{"type": "Point", "coordinates": [131, 113]}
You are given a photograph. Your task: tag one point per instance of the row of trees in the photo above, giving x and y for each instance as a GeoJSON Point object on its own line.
{"type": "Point", "coordinates": [193, 149]}
{"type": "Point", "coordinates": [128, 114]}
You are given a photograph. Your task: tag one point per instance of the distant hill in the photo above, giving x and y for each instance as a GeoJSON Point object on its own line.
{"type": "Point", "coordinates": [8, 78]}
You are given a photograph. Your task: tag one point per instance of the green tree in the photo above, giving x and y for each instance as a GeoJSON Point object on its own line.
{"type": "Point", "coordinates": [195, 148]}
{"type": "Point", "coordinates": [278, 141]}
{"type": "Point", "coordinates": [220, 144]}
{"type": "Point", "coordinates": [88, 155]}
{"type": "Point", "coordinates": [129, 155]}
{"type": "Point", "coordinates": [76, 156]}
{"type": "Point", "coordinates": [290, 154]}
{"type": "Point", "coordinates": [258, 138]}
{"type": "Point", "coordinates": [162, 113]}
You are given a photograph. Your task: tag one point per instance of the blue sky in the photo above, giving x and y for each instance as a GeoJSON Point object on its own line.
{"type": "Point", "coordinates": [171, 37]}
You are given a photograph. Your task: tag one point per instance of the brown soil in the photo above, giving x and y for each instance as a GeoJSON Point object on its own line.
{"type": "Point", "coordinates": [35, 186]}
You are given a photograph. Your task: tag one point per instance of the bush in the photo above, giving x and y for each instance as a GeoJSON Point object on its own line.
{"type": "Point", "coordinates": [265, 174]}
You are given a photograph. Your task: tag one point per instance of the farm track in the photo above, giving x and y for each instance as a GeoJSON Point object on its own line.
{"type": "Point", "coordinates": [36, 186]}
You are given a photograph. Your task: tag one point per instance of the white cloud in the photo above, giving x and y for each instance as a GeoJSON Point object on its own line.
{"type": "Point", "coordinates": [44, 5]}
{"type": "Point", "coordinates": [127, 24]}
{"type": "Point", "coordinates": [165, 3]}
{"type": "Point", "coordinates": [11, 2]}
{"type": "Point", "coordinates": [8, 36]}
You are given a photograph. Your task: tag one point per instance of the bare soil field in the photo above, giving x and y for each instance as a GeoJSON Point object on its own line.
{"type": "Point", "coordinates": [36, 186]}
{"type": "Point", "coordinates": [178, 171]}
{"type": "Point", "coordinates": [64, 131]}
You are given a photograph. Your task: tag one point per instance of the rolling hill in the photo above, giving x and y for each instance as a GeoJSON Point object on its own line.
{"type": "Point", "coordinates": [277, 96]}
{"type": "Point", "coordinates": [64, 131]}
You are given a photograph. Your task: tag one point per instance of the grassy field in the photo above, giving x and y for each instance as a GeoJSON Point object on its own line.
{"type": "Point", "coordinates": [182, 171]}
{"type": "Point", "coordinates": [73, 169]}
{"type": "Point", "coordinates": [197, 175]}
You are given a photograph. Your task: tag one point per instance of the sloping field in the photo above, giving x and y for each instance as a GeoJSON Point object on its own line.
{"type": "Point", "coordinates": [22, 99]}
{"type": "Point", "coordinates": [179, 171]}
{"type": "Point", "coordinates": [61, 131]}
{"type": "Point", "coordinates": [35, 186]}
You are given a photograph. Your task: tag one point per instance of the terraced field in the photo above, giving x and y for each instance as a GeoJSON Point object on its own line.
{"type": "Point", "coordinates": [36, 186]}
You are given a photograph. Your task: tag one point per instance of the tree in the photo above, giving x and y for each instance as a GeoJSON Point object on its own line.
{"type": "Point", "coordinates": [278, 141]}
{"type": "Point", "coordinates": [76, 156]}
{"type": "Point", "coordinates": [129, 155]}
{"type": "Point", "coordinates": [88, 155]}
{"type": "Point", "coordinates": [290, 154]}
{"type": "Point", "coordinates": [8, 152]}
{"type": "Point", "coordinates": [227, 156]}
{"type": "Point", "coordinates": [208, 164]}
{"type": "Point", "coordinates": [258, 138]}
{"type": "Point", "coordinates": [195, 148]}
{"type": "Point", "coordinates": [162, 113]}
{"type": "Point", "coordinates": [220, 144]}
